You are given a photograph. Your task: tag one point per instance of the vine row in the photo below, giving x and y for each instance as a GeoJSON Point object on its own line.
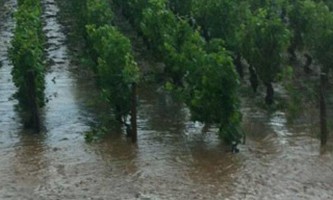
{"type": "Point", "coordinates": [203, 72]}
{"type": "Point", "coordinates": [111, 58]}
{"type": "Point", "coordinates": [27, 57]}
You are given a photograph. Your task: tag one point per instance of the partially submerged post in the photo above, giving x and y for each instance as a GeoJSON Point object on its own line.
{"type": "Point", "coordinates": [134, 134]}
{"type": "Point", "coordinates": [234, 148]}
{"type": "Point", "coordinates": [323, 114]}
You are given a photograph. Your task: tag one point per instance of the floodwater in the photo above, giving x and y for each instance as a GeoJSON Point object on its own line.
{"type": "Point", "coordinates": [174, 158]}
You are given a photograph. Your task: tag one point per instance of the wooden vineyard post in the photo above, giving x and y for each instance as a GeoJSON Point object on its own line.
{"type": "Point", "coordinates": [134, 134]}
{"type": "Point", "coordinates": [323, 114]}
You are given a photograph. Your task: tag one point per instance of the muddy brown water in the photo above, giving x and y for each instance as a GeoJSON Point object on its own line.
{"type": "Point", "coordinates": [174, 158]}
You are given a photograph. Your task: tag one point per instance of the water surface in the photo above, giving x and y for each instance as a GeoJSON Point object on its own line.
{"type": "Point", "coordinates": [174, 158]}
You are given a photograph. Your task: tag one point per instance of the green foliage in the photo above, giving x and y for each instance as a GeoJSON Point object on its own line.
{"type": "Point", "coordinates": [265, 38]}
{"type": "Point", "coordinates": [272, 5]}
{"type": "Point", "coordinates": [221, 19]}
{"type": "Point", "coordinates": [112, 54]}
{"type": "Point", "coordinates": [182, 52]}
{"type": "Point", "coordinates": [212, 94]}
{"type": "Point", "coordinates": [98, 12]}
{"type": "Point", "coordinates": [328, 3]}
{"type": "Point", "coordinates": [158, 25]}
{"type": "Point", "coordinates": [132, 9]}
{"type": "Point", "coordinates": [170, 38]}
{"type": "Point", "coordinates": [78, 9]}
{"type": "Point", "coordinates": [319, 36]}
{"type": "Point", "coordinates": [26, 54]}
{"type": "Point", "coordinates": [203, 73]}
{"type": "Point", "coordinates": [298, 23]}
{"type": "Point", "coordinates": [109, 53]}
{"type": "Point", "coordinates": [260, 30]}
{"type": "Point", "coordinates": [182, 7]}
{"type": "Point", "coordinates": [116, 67]}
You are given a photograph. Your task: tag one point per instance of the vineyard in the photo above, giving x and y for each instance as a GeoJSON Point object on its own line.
{"type": "Point", "coordinates": [82, 71]}
{"type": "Point", "coordinates": [202, 44]}
{"type": "Point", "coordinates": [27, 57]}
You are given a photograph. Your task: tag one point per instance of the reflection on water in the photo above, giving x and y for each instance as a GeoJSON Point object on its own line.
{"type": "Point", "coordinates": [60, 85]}
{"type": "Point", "coordinates": [9, 121]}
{"type": "Point", "coordinates": [174, 158]}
